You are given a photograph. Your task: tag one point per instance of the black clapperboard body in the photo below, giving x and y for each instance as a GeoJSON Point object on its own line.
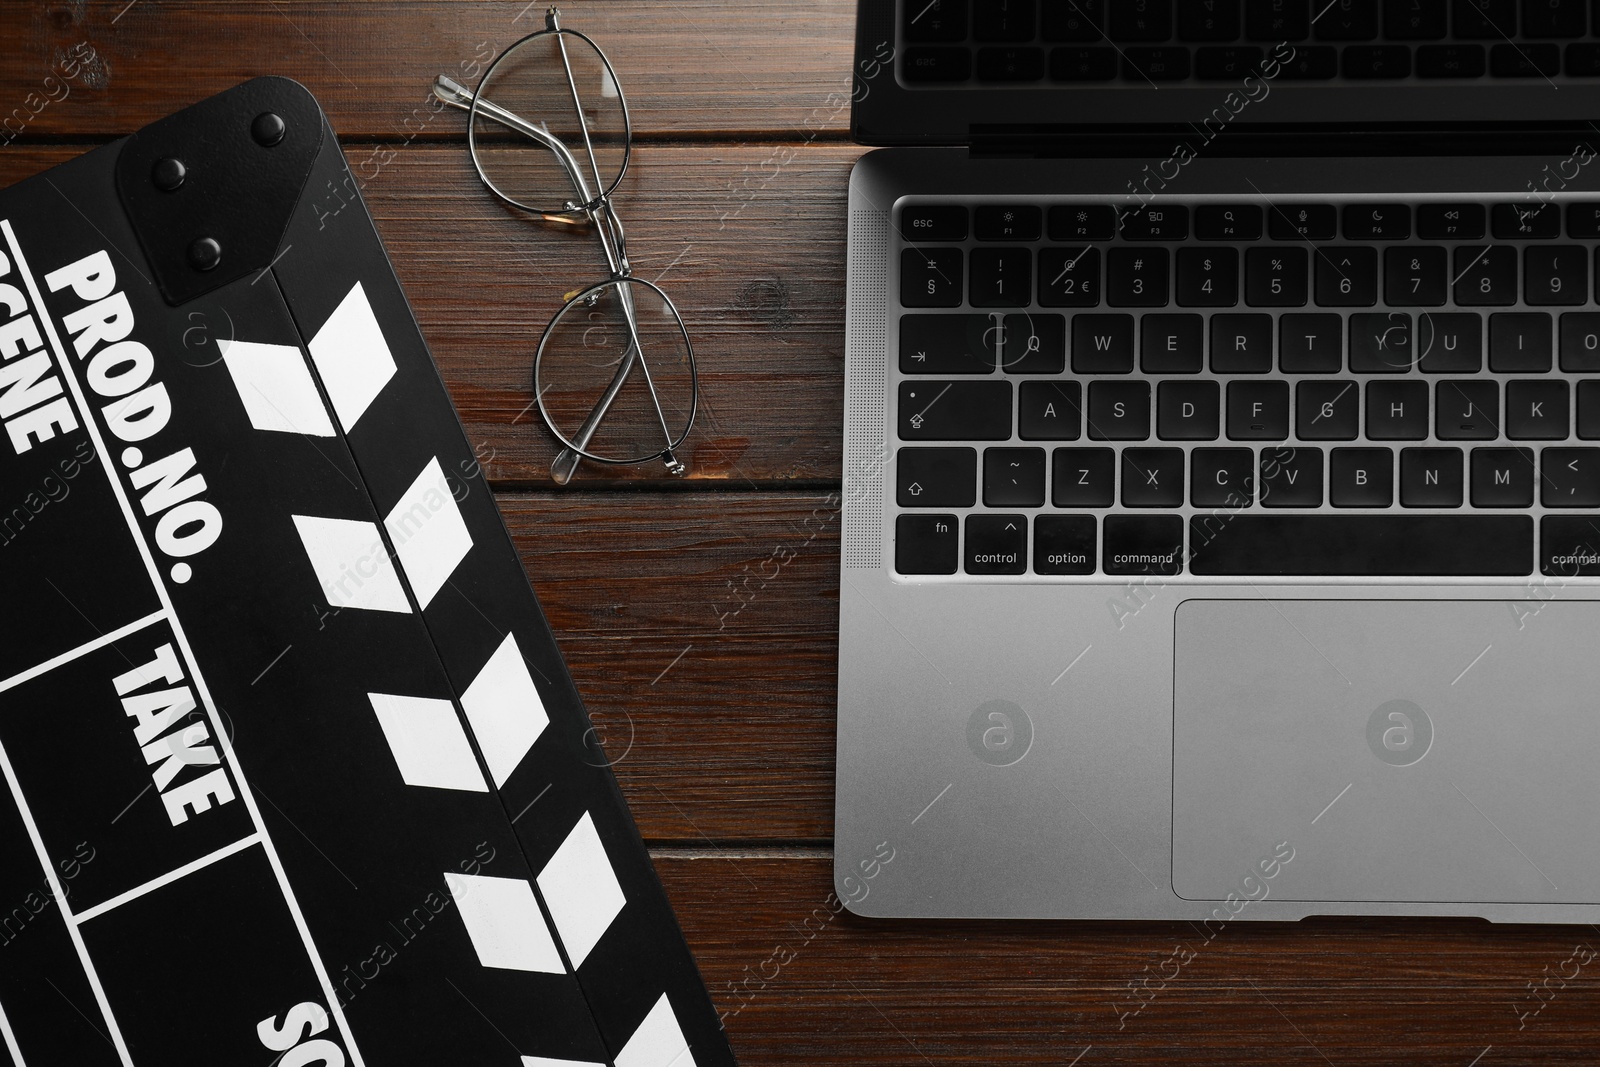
{"type": "Point", "coordinates": [293, 770]}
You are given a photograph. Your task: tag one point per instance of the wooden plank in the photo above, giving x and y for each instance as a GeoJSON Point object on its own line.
{"type": "Point", "coordinates": [749, 240]}
{"type": "Point", "coordinates": [689, 68]}
{"type": "Point", "coordinates": [800, 984]}
{"type": "Point", "coordinates": [702, 635]}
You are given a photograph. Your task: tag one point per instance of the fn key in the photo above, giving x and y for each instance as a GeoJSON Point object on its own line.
{"type": "Point", "coordinates": [925, 544]}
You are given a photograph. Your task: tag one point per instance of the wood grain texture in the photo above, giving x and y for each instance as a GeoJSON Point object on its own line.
{"type": "Point", "coordinates": [802, 982]}
{"type": "Point", "coordinates": [689, 67]}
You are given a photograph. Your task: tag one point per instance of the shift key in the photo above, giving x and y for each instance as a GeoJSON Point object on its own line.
{"type": "Point", "coordinates": [933, 410]}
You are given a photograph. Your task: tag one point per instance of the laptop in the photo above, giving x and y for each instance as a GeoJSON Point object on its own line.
{"type": "Point", "coordinates": [1222, 461]}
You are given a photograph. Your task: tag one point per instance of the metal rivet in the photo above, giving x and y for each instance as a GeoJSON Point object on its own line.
{"type": "Point", "coordinates": [268, 129]}
{"type": "Point", "coordinates": [168, 174]}
{"type": "Point", "coordinates": [205, 254]}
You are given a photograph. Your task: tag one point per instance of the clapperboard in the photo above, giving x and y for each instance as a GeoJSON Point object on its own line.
{"type": "Point", "coordinates": [294, 772]}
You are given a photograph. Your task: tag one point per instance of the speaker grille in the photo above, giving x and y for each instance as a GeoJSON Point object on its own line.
{"type": "Point", "coordinates": [865, 413]}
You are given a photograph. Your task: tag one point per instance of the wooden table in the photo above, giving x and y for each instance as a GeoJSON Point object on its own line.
{"type": "Point", "coordinates": [709, 667]}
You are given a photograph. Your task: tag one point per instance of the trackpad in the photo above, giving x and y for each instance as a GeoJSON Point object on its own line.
{"type": "Point", "coordinates": [1404, 750]}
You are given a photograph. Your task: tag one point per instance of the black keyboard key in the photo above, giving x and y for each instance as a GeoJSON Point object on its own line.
{"type": "Point", "coordinates": [1258, 411]}
{"type": "Point", "coordinates": [1537, 411]}
{"type": "Point", "coordinates": [1512, 222]}
{"type": "Point", "coordinates": [1366, 545]}
{"type": "Point", "coordinates": [1013, 477]}
{"type": "Point", "coordinates": [933, 410]}
{"type": "Point", "coordinates": [1141, 20]}
{"type": "Point", "coordinates": [1486, 275]}
{"type": "Point", "coordinates": [1451, 61]}
{"type": "Point", "coordinates": [933, 222]}
{"type": "Point", "coordinates": [1302, 222]}
{"type": "Point", "coordinates": [1073, 20]}
{"type": "Point", "coordinates": [1555, 274]}
{"type": "Point", "coordinates": [1208, 20]}
{"type": "Point", "coordinates": [1007, 222]}
{"type": "Point", "coordinates": [1450, 222]}
{"type": "Point", "coordinates": [1010, 64]}
{"type": "Point", "coordinates": [923, 64]}
{"type": "Point", "coordinates": [1520, 342]}
{"type": "Point", "coordinates": [1155, 64]}
{"type": "Point", "coordinates": [1416, 276]}
{"type": "Point", "coordinates": [1430, 478]}
{"type": "Point", "coordinates": [1172, 344]}
{"type": "Point", "coordinates": [1152, 477]}
{"type": "Point", "coordinates": [1119, 411]}
{"type": "Point", "coordinates": [1589, 410]}
{"type": "Point", "coordinates": [1049, 411]}
{"type": "Point", "coordinates": [1143, 544]}
{"type": "Point", "coordinates": [1568, 545]}
{"type": "Point", "coordinates": [1583, 61]}
{"type": "Point", "coordinates": [1083, 64]}
{"type": "Point", "coordinates": [936, 22]}
{"type": "Point", "coordinates": [926, 544]}
{"type": "Point", "coordinates": [936, 477]}
{"type": "Point", "coordinates": [1414, 20]}
{"type": "Point", "coordinates": [1033, 344]}
{"type": "Point", "coordinates": [1222, 477]}
{"type": "Point", "coordinates": [1372, 61]}
{"type": "Point", "coordinates": [1083, 222]}
{"type": "Point", "coordinates": [1397, 411]}
{"type": "Point", "coordinates": [1291, 477]}
{"type": "Point", "coordinates": [1361, 478]}
{"type": "Point", "coordinates": [1188, 411]}
{"type": "Point", "coordinates": [1241, 344]}
{"type": "Point", "coordinates": [1525, 60]}
{"type": "Point", "coordinates": [1449, 342]}
{"type": "Point", "coordinates": [1151, 222]}
{"type": "Point", "coordinates": [1137, 277]}
{"type": "Point", "coordinates": [1311, 63]}
{"type": "Point", "coordinates": [1570, 478]}
{"type": "Point", "coordinates": [1277, 20]}
{"type": "Point", "coordinates": [1554, 18]}
{"type": "Point", "coordinates": [1208, 277]}
{"type": "Point", "coordinates": [1583, 218]}
{"type": "Point", "coordinates": [997, 544]}
{"type": "Point", "coordinates": [1275, 277]}
{"type": "Point", "coordinates": [1226, 64]}
{"type": "Point", "coordinates": [1347, 20]}
{"type": "Point", "coordinates": [1467, 411]}
{"type": "Point", "coordinates": [1227, 222]}
{"type": "Point", "coordinates": [1347, 276]}
{"type": "Point", "coordinates": [1082, 477]}
{"type": "Point", "coordinates": [1064, 544]}
{"type": "Point", "coordinates": [1485, 20]}
{"type": "Point", "coordinates": [1502, 477]}
{"type": "Point", "coordinates": [1580, 341]}
{"type": "Point", "coordinates": [1327, 410]}
{"type": "Point", "coordinates": [1380, 343]}
{"type": "Point", "coordinates": [1102, 344]}
{"type": "Point", "coordinates": [1002, 20]}
{"type": "Point", "coordinates": [1000, 277]}
{"type": "Point", "coordinates": [1377, 222]}
{"type": "Point", "coordinates": [1311, 344]}
{"type": "Point", "coordinates": [1069, 277]}
{"type": "Point", "coordinates": [949, 344]}
{"type": "Point", "coordinates": [930, 277]}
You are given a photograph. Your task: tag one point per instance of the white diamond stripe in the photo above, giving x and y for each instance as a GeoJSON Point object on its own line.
{"type": "Point", "coordinates": [504, 923]}
{"type": "Point", "coordinates": [581, 890]}
{"type": "Point", "coordinates": [658, 1042]}
{"type": "Point", "coordinates": [275, 387]}
{"type": "Point", "coordinates": [351, 563]}
{"type": "Point", "coordinates": [545, 1061]}
{"type": "Point", "coordinates": [352, 357]}
{"type": "Point", "coordinates": [428, 743]}
{"type": "Point", "coordinates": [504, 709]}
{"type": "Point", "coordinates": [428, 532]}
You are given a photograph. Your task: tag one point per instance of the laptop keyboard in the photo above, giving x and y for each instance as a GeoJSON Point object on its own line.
{"type": "Point", "coordinates": [1157, 41]}
{"type": "Point", "coordinates": [1356, 386]}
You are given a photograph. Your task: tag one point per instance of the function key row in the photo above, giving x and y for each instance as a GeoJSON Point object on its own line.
{"type": "Point", "coordinates": [1520, 342]}
{"type": "Point", "coordinates": [943, 223]}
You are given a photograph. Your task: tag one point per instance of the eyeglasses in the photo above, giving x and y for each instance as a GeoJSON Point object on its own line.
{"type": "Point", "coordinates": [614, 375]}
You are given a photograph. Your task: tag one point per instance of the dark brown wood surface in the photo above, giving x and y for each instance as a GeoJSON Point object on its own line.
{"type": "Point", "coordinates": [712, 683]}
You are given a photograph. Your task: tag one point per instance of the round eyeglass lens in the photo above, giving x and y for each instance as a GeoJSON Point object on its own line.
{"type": "Point", "coordinates": [615, 374]}
{"type": "Point", "coordinates": [550, 126]}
